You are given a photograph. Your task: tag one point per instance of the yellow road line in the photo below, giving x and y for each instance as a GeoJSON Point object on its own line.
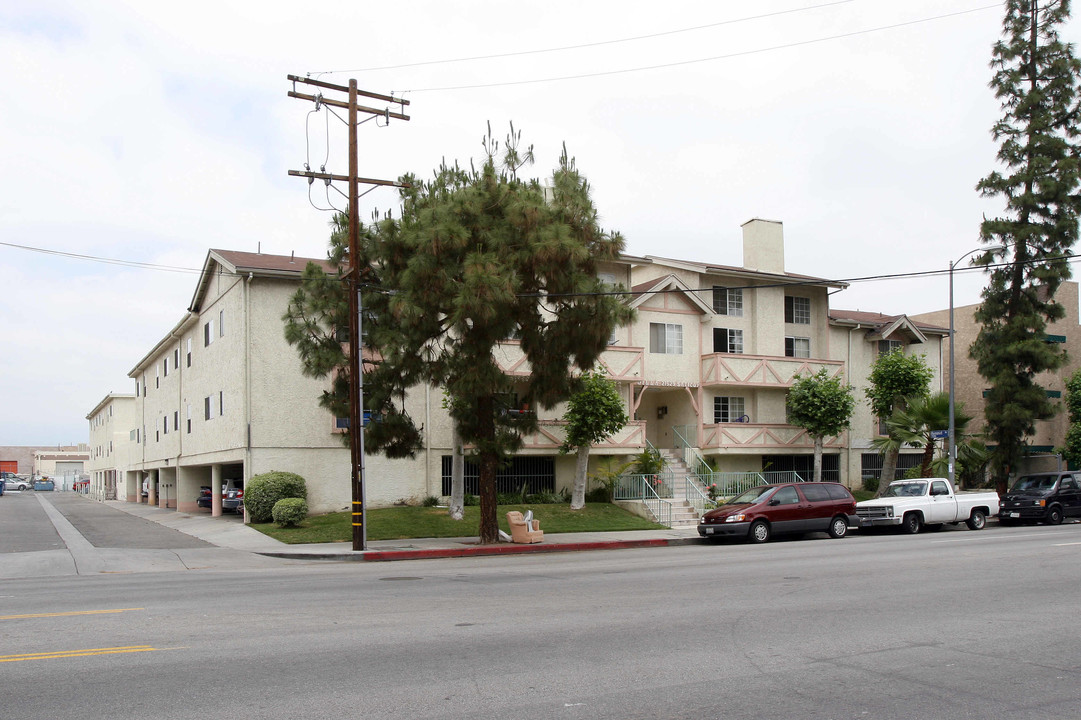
{"type": "Point", "coordinates": [66, 614]}
{"type": "Point", "coordinates": [76, 653]}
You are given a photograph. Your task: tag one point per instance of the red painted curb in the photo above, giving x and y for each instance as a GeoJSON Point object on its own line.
{"type": "Point", "coordinates": [386, 555]}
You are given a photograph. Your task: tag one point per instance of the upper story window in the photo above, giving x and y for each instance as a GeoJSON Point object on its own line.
{"type": "Point", "coordinates": [208, 333]}
{"type": "Point", "coordinates": [165, 366]}
{"type": "Point", "coordinates": [189, 352]}
{"type": "Point", "coordinates": [666, 338]}
{"type": "Point", "coordinates": [797, 310]}
{"type": "Point", "coordinates": [729, 409]}
{"type": "Point", "coordinates": [797, 347]}
{"type": "Point", "coordinates": [221, 323]}
{"type": "Point", "coordinates": [727, 340]}
{"type": "Point", "coordinates": [607, 279]}
{"type": "Point", "coordinates": [885, 347]}
{"type": "Point", "coordinates": [728, 301]}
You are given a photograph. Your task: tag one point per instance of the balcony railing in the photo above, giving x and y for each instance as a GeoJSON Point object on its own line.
{"type": "Point", "coordinates": [550, 434]}
{"type": "Point", "coordinates": [761, 370]}
{"type": "Point", "coordinates": [760, 435]}
{"type": "Point", "coordinates": [617, 363]}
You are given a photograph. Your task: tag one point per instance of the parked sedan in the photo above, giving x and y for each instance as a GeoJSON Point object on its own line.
{"type": "Point", "coordinates": [764, 511]}
{"type": "Point", "coordinates": [1041, 497]}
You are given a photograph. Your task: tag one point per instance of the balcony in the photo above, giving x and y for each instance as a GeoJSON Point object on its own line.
{"type": "Point", "coordinates": [766, 371]}
{"type": "Point", "coordinates": [550, 434]}
{"type": "Point", "coordinates": [760, 437]}
{"type": "Point", "coordinates": [618, 363]}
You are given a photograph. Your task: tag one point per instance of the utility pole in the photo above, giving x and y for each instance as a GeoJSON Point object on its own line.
{"type": "Point", "coordinates": [352, 276]}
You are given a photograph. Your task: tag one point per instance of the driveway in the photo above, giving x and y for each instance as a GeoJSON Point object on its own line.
{"type": "Point", "coordinates": [57, 533]}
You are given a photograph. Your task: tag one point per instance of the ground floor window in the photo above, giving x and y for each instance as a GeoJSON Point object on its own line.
{"type": "Point", "coordinates": [803, 465]}
{"type": "Point", "coordinates": [537, 474]}
{"type": "Point", "coordinates": [871, 465]}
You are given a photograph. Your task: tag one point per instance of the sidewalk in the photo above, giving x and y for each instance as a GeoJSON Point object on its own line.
{"type": "Point", "coordinates": [229, 532]}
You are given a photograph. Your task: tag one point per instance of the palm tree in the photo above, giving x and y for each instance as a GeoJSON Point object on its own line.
{"type": "Point", "coordinates": [915, 424]}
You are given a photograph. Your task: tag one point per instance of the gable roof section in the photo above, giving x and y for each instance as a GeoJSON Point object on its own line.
{"type": "Point", "coordinates": [235, 262]}
{"type": "Point", "coordinates": [887, 327]}
{"type": "Point", "coordinates": [667, 284]}
{"type": "Point", "coordinates": [785, 278]}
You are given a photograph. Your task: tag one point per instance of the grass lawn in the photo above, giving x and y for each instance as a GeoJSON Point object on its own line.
{"type": "Point", "coordinates": [416, 522]}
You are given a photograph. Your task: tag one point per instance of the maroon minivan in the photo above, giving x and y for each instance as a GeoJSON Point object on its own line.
{"type": "Point", "coordinates": [763, 511]}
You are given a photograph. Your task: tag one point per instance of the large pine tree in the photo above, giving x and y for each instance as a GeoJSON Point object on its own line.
{"type": "Point", "coordinates": [478, 256]}
{"type": "Point", "coordinates": [1035, 78]}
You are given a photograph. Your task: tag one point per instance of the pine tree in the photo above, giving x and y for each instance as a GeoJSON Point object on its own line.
{"type": "Point", "coordinates": [1035, 78]}
{"type": "Point", "coordinates": [477, 256]}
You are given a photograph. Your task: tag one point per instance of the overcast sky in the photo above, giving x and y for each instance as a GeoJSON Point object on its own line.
{"type": "Point", "coordinates": [149, 132]}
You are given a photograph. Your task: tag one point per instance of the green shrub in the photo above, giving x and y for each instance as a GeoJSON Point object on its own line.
{"type": "Point", "coordinates": [264, 491]}
{"type": "Point", "coordinates": [870, 484]}
{"type": "Point", "coordinates": [430, 501]}
{"type": "Point", "coordinates": [599, 495]}
{"type": "Point", "coordinates": [470, 500]}
{"type": "Point", "coordinates": [290, 512]}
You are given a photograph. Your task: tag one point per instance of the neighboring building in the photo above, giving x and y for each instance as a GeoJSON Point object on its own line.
{"type": "Point", "coordinates": [64, 466]}
{"type": "Point", "coordinates": [969, 385]}
{"type": "Point", "coordinates": [19, 459]}
{"type": "Point", "coordinates": [112, 435]}
{"type": "Point", "coordinates": [705, 368]}
{"type": "Point", "coordinates": [859, 338]}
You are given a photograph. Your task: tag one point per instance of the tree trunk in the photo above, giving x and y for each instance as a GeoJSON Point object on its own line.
{"type": "Point", "coordinates": [457, 475]}
{"type": "Point", "coordinates": [928, 458]}
{"type": "Point", "coordinates": [489, 463]}
{"type": "Point", "coordinates": [578, 497]}
{"type": "Point", "coordinates": [889, 470]}
{"type": "Point", "coordinates": [818, 459]}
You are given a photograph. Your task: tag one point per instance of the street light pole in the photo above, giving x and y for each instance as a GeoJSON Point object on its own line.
{"type": "Point", "coordinates": [953, 355]}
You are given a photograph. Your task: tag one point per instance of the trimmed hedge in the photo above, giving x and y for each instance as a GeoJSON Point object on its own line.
{"type": "Point", "coordinates": [264, 491]}
{"type": "Point", "coordinates": [290, 512]}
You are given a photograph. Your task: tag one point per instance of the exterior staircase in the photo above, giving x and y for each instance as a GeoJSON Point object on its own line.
{"type": "Point", "coordinates": [683, 513]}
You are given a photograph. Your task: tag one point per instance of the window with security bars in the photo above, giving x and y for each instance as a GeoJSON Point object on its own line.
{"type": "Point", "coordinates": [535, 474]}
{"type": "Point", "coordinates": [728, 301]}
{"type": "Point", "coordinates": [666, 338]}
{"type": "Point", "coordinates": [871, 465]}
{"type": "Point", "coordinates": [797, 310]}
{"type": "Point", "coordinates": [801, 467]}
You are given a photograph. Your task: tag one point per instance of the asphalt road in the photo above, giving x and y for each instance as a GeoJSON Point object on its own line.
{"type": "Point", "coordinates": [954, 624]}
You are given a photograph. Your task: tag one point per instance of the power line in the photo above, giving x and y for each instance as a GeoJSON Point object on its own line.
{"type": "Point", "coordinates": [105, 260]}
{"type": "Point", "coordinates": [728, 56]}
{"type": "Point", "coordinates": [598, 43]}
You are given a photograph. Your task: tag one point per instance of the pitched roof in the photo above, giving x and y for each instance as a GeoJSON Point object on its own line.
{"type": "Point", "coordinates": [885, 326]}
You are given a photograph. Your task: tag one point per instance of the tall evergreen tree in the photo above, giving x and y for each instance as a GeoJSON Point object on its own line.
{"type": "Point", "coordinates": [479, 256]}
{"type": "Point", "coordinates": [1035, 78]}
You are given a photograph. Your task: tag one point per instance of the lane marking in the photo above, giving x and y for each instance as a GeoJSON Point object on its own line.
{"type": "Point", "coordinates": [76, 653]}
{"type": "Point", "coordinates": [1065, 544]}
{"type": "Point", "coordinates": [988, 537]}
{"type": "Point", "coordinates": [68, 614]}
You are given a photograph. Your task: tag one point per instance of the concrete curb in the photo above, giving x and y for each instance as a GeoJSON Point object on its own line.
{"type": "Point", "coordinates": [477, 551]}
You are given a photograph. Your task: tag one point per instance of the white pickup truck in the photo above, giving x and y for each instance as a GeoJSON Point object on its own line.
{"type": "Point", "coordinates": [912, 504]}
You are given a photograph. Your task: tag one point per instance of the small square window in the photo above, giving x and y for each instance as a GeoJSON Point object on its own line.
{"type": "Point", "coordinates": [666, 338]}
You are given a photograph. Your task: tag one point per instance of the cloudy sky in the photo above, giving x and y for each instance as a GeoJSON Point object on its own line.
{"type": "Point", "coordinates": [144, 133]}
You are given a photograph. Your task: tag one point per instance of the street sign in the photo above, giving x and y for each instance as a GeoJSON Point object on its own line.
{"type": "Point", "coordinates": [940, 434]}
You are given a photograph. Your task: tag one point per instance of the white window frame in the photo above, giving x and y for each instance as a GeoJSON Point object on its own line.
{"type": "Point", "coordinates": [731, 406]}
{"type": "Point", "coordinates": [728, 301]}
{"type": "Point", "coordinates": [796, 342]}
{"type": "Point", "coordinates": [668, 334]}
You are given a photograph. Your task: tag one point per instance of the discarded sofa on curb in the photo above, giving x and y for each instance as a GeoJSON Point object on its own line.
{"type": "Point", "coordinates": [524, 529]}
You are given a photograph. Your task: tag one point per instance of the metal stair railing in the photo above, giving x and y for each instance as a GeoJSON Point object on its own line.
{"type": "Point", "coordinates": [644, 488]}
